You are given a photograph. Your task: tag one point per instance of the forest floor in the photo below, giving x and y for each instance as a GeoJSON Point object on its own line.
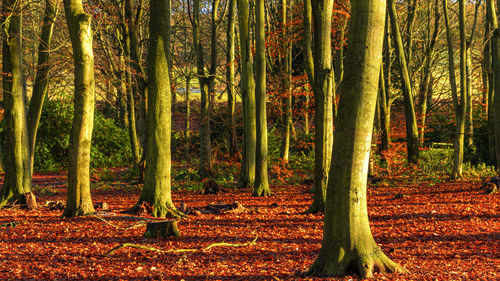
{"type": "Point", "coordinates": [438, 231]}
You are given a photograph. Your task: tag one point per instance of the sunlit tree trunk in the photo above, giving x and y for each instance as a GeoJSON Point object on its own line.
{"type": "Point", "coordinates": [348, 244]}
{"type": "Point", "coordinates": [17, 181]}
{"type": "Point", "coordinates": [412, 142]}
{"type": "Point", "coordinates": [157, 191]}
{"type": "Point", "coordinates": [261, 187]}
{"type": "Point", "coordinates": [247, 176]}
{"type": "Point", "coordinates": [230, 76]}
{"type": "Point", "coordinates": [385, 103]}
{"type": "Point", "coordinates": [323, 98]}
{"type": "Point", "coordinates": [42, 75]}
{"type": "Point", "coordinates": [286, 65]}
{"type": "Point", "coordinates": [308, 57]}
{"type": "Point", "coordinates": [495, 54]}
{"type": "Point", "coordinates": [79, 26]}
{"type": "Point", "coordinates": [469, 136]}
{"type": "Point", "coordinates": [458, 105]}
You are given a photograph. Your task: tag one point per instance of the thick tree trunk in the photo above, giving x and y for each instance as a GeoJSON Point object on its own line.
{"type": "Point", "coordinates": [230, 76]}
{"type": "Point", "coordinates": [261, 187]}
{"type": "Point", "coordinates": [79, 26]}
{"type": "Point", "coordinates": [17, 181]}
{"type": "Point", "coordinates": [157, 191]}
{"type": "Point", "coordinates": [247, 176]}
{"type": "Point", "coordinates": [42, 75]}
{"type": "Point", "coordinates": [323, 98]}
{"type": "Point", "coordinates": [348, 244]}
{"type": "Point", "coordinates": [412, 143]}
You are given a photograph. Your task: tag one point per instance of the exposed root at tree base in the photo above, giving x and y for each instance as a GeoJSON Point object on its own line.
{"type": "Point", "coordinates": [143, 208]}
{"type": "Point", "coordinates": [378, 262]}
{"type": "Point", "coordinates": [266, 192]}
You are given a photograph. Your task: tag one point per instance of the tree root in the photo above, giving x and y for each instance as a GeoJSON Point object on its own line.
{"type": "Point", "coordinates": [221, 244]}
{"type": "Point", "coordinates": [345, 264]}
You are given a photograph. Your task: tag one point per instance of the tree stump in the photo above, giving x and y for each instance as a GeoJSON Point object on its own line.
{"type": "Point", "coordinates": [30, 201]}
{"type": "Point", "coordinates": [162, 229]}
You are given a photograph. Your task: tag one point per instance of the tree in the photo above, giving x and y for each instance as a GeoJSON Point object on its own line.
{"type": "Point", "coordinates": [286, 71]}
{"type": "Point", "coordinates": [247, 175]}
{"type": "Point", "coordinates": [348, 244]}
{"type": "Point", "coordinates": [157, 191]}
{"type": "Point", "coordinates": [323, 99]}
{"type": "Point", "coordinates": [42, 75]}
{"type": "Point", "coordinates": [412, 143]}
{"type": "Point", "coordinates": [17, 166]}
{"type": "Point", "coordinates": [495, 57]}
{"type": "Point", "coordinates": [79, 201]}
{"type": "Point", "coordinates": [230, 76]}
{"type": "Point", "coordinates": [261, 187]}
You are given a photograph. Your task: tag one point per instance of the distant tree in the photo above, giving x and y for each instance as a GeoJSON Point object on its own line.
{"type": "Point", "coordinates": [348, 244]}
{"type": "Point", "coordinates": [79, 201]}
{"type": "Point", "coordinates": [17, 181]}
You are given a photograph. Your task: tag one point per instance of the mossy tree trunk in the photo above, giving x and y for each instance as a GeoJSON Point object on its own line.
{"type": "Point", "coordinates": [247, 175]}
{"type": "Point", "coordinates": [348, 244]}
{"type": "Point", "coordinates": [261, 187]}
{"type": "Point", "coordinates": [323, 99]}
{"type": "Point", "coordinates": [308, 57]}
{"type": "Point", "coordinates": [495, 54]}
{"type": "Point", "coordinates": [412, 143]}
{"type": "Point", "coordinates": [79, 26]}
{"type": "Point", "coordinates": [17, 181]}
{"type": "Point", "coordinates": [157, 189]}
{"type": "Point", "coordinates": [230, 76]}
{"type": "Point", "coordinates": [41, 76]}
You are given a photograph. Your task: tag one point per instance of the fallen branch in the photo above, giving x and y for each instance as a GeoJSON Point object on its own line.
{"type": "Point", "coordinates": [119, 227]}
{"type": "Point", "coordinates": [221, 244]}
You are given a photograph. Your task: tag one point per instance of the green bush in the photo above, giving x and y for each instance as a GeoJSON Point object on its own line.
{"type": "Point", "coordinates": [110, 143]}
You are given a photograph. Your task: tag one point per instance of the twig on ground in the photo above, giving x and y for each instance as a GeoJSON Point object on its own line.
{"type": "Point", "coordinates": [221, 244]}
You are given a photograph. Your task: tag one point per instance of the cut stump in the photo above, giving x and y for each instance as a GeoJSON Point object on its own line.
{"type": "Point", "coordinates": [162, 229]}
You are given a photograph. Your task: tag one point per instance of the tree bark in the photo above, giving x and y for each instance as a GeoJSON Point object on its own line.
{"type": "Point", "coordinates": [348, 244]}
{"type": "Point", "coordinates": [79, 201]}
{"type": "Point", "coordinates": [247, 175]}
{"type": "Point", "coordinates": [230, 76]}
{"type": "Point", "coordinates": [261, 187]}
{"type": "Point", "coordinates": [412, 143]}
{"type": "Point", "coordinates": [42, 75]}
{"type": "Point", "coordinates": [495, 50]}
{"type": "Point", "coordinates": [157, 191]}
{"type": "Point", "coordinates": [323, 98]}
{"type": "Point", "coordinates": [17, 181]}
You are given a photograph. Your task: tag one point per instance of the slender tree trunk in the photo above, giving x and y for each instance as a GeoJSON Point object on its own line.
{"type": "Point", "coordinates": [286, 118]}
{"type": "Point", "coordinates": [488, 56]}
{"type": "Point", "coordinates": [187, 125]}
{"type": "Point", "coordinates": [247, 176]}
{"type": "Point", "coordinates": [42, 75]}
{"type": "Point", "coordinates": [469, 139]}
{"type": "Point", "coordinates": [230, 76]}
{"type": "Point", "coordinates": [17, 181]}
{"type": "Point", "coordinates": [386, 95]}
{"type": "Point", "coordinates": [495, 50]}
{"type": "Point", "coordinates": [348, 244]}
{"type": "Point", "coordinates": [412, 142]}
{"type": "Point", "coordinates": [261, 187]}
{"type": "Point", "coordinates": [79, 26]}
{"type": "Point", "coordinates": [308, 57]}
{"type": "Point", "coordinates": [323, 98]}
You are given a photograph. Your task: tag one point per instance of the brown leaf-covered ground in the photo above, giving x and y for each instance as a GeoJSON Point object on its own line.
{"type": "Point", "coordinates": [444, 231]}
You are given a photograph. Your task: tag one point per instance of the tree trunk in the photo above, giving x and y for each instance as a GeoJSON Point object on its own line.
{"type": "Point", "coordinates": [323, 99]}
{"type": "Point", "coordinates": [79, 26]}
{"type": "Point", "coordinates": [42, 75]}
{"type": "Point", "coordinates": [459, 106]}
{"type": "Point", "coordinates": [247, 176]}
{"type": "Point", "coordinates": [261, 187]}
{"type": "Point", "coordinates": [385, 104]}
{"type": "Point", "coordinates": [495, 50]}
{"type": "Point", "coordinates": [286, 67]}
{"type": "Point", "coordinates": [230, 76]}
{"type": "Point", "coordinates": [308, 58]}
{"type": "Point", "coordinates": [488, 56]}
{"type": "Point", "coordinates": [348, 244]}
{"type": "Point", "coordinates": [412, 143]}
{"type": "Point", "coordinates": [156, 189]}
{"type": "Point", "coordinates": [17, 181]}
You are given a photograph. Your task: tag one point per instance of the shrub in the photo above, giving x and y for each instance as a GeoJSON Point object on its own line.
{"type": "Point", "coordinates": [110, 143]}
